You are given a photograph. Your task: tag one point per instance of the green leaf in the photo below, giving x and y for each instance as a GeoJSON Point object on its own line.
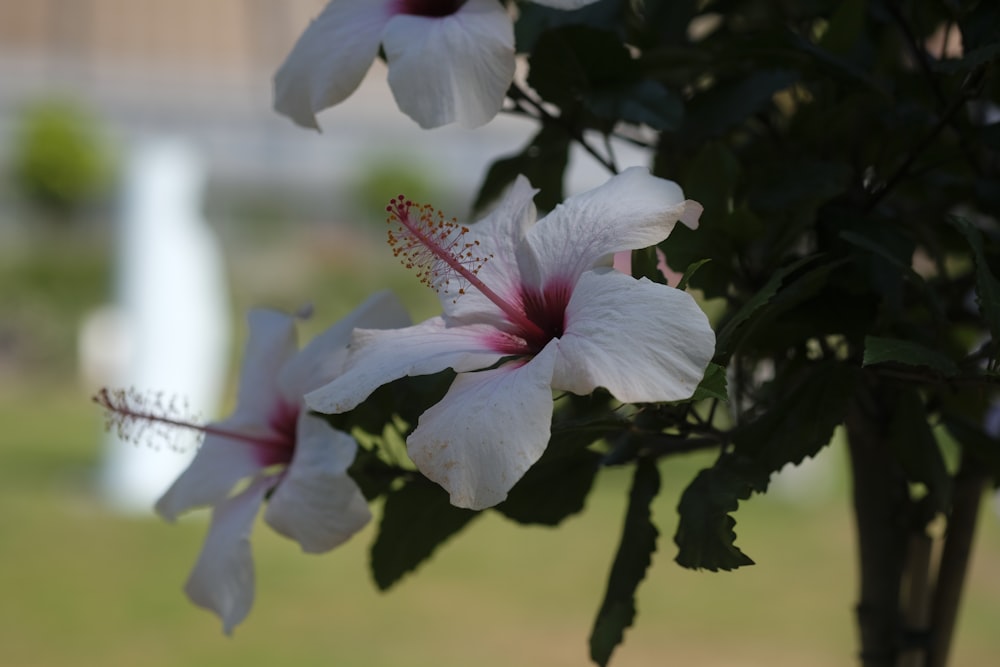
{"type": "Point", "coordinates": [705, 537]}
{"type": "Point", "coordinates": [416, 519]}
{"type": "Point", "coordinates": [634, 555]}
{"type": "Point", "coordinates": [980, 26]}
{"type": "Point", "coordinates": [534, 20]}
{"type": "Point", "coordinates": [581, 66]}
{"type": "Point", "coordinates": [987, 288]}
{"type": "Point", "coordinates": [846, 27]}
{"type": "Point", "coordinates": [643, 102]}
{"type": "Point", "coordinates": [795, 184]}
{"type": "Point", "coordinates": [571, 62]}
{"type": "Point", "coordinates": [726, 339]}
{"type": "Point", "coordinates": [407, 397]}
{"type": "Point", "coordinates": [713, 385]}
{"type": "Point", "coordinates": [542, 162]}
{"type": "Point", "coordinates": [729, 102]}
{"type": "Point", "coordinates": [690, 271]}
{"type": "Point", "coordinates": [808, 405]}
{"type": "Point", "coordinates": [553, 489]}
{"type": "Point", "coordinates": [372, 475]}
{"type": "Point", "coordinates": [812, 403]}
{"type": "Point", "coordinates": [710, 178]}
{"type": "Point", "coordinates": [883, 350]}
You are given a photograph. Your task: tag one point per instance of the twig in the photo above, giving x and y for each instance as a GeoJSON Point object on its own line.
{"type": "Point", "coordinates": [971, 81]}
{"type": "Point", "coordinates": [518, 95]}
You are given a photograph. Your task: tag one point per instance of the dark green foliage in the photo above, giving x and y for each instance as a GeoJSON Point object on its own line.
{"type": "Point", "coordinates": [890, 350]}
{"type": "Point", "coordinates": [914, 445]}
{"type": "Point", "coordinates": [586, 70]}
{"type": "Point", "coordinates": [834, 146]}
{"type": "Point", "coordinates": [407, 398]}
{"type": "Point", "coordinates": [705, 536]}
{"type": "Point", "coordinates": [713, 385]}
{"type": "Point", "coordinates": [542, 162]}
{"type": "Point", "coordinates": [727, 336]}
{"type": "Point", "coordinates": [416, 520]}
{"type": "Point", "coordinates": [553, 489]}
{"type": "Point", "coordinates": [635, 551]}
{"type": "Point", "coordinates": [987, 288]}
{"type": "Point", "coordinates": [811, 405]}
{"type": "Point", "coordinates": [536, 20]}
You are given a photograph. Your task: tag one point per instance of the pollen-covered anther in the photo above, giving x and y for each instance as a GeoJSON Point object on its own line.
{"type": "Point", "coordinates": [433, 246]}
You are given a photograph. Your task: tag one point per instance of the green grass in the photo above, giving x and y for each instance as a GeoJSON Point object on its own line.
{"type": "Point", "coordinates": [85, 587]}
{"type": "Point", "coordinates": [80, 586]}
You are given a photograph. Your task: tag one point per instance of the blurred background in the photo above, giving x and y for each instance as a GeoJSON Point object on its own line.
{"type": "Point", "coordinates": [146, 186]}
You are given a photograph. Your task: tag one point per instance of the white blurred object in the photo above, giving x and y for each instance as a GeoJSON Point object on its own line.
{"type": "Point", "coordinates": [813, 481]}
{"type": "Point", "coordinates": [172, 316]}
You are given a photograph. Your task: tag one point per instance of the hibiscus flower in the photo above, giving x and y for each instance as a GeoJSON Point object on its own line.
{"type": "Point", "coordinates": [530, 308]}
{"type": "Point", "coordinates": [269, 448]}
{"type": "Point", "coordinates": [449, 60]}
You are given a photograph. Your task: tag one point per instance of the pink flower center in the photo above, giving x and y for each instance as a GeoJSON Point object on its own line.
{"type": "Point", "coordinates": [547, 309]}
{"type": "Point", "coordinates": [436, 249]}
{"type": "Point", "coordinates": [429, 7]}
{"type": "Point", "coordinates": [279, 449]}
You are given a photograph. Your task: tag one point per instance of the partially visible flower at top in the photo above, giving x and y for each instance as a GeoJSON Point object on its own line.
{"type": "Point", "coordinates": [530, 307]}
{"type": "Point", "coordinates": [449, 60]}
{"type": "Point", "coordinates": [269, 448]}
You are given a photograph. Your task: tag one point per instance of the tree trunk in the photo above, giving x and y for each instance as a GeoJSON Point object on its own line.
{"type": "Point", "coordinates": [882, 511]}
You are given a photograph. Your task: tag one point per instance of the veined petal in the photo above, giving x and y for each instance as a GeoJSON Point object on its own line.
{"type": "Point", "coordinates": [270, 344]}
{"type": "Point", "coordinates": [642, 341]}
{"type": "Point", "coordinates": [490, 427]}
{"type": "Point", "coordinates": [453, 68]}
{"type": "Point", "coordinates": [631, 210]}
{"type": "Point", "coordinates": [322, 359]}
{"type": "Point", "coordinates": [378, 357]}
{"type": "Point", "coordinates": [330, 58]}
{"type": "Point", "coordinates": [317, 504]}
{"type": "Point", "coordinates": [498, 234]}
{"type": "Point", "coordinates": [218, 466]}
{"type": "Point", "coordinates": [222, 579]}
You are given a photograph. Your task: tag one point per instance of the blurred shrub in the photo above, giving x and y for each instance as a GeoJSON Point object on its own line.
{"type": "Point", "coordinates": [59, 162]}
{"type": "Point", "coordinates": [385, 178]}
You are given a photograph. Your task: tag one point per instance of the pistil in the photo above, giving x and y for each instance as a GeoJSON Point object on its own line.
{"type": "Point", "coordinates": [434, 247]}
{"type": "Point", "coordinates": [126, 411]}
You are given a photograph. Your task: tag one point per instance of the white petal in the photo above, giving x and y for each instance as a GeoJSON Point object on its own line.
{"type": "Point", "coordinates": [379, 357]}
{"type": "Point", "coordinates": [218, 466]}
{"type": "Point", "coordinates": [643, 341]}
{"type": "Point", "coordinates": [271, 343]}
{"type": "Point", "coordinates": [454, 68]}
{"type": "Point", "coordinates": [323, 358]}
{"type": "Point", "coordinates": [330, 59]}
{"type": "Point", "coordinates": [222, 579]}
{"type": "Point", "coordinates": [490, 427]}
{"type": "Point", "coordinates": [632, 210]}
{"type": "Point", "coordinates": [564, 4]}
{"type": "Point", "coordinates": [317, 504]}
{"type": "Point", "coordinates": [498, 234]}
